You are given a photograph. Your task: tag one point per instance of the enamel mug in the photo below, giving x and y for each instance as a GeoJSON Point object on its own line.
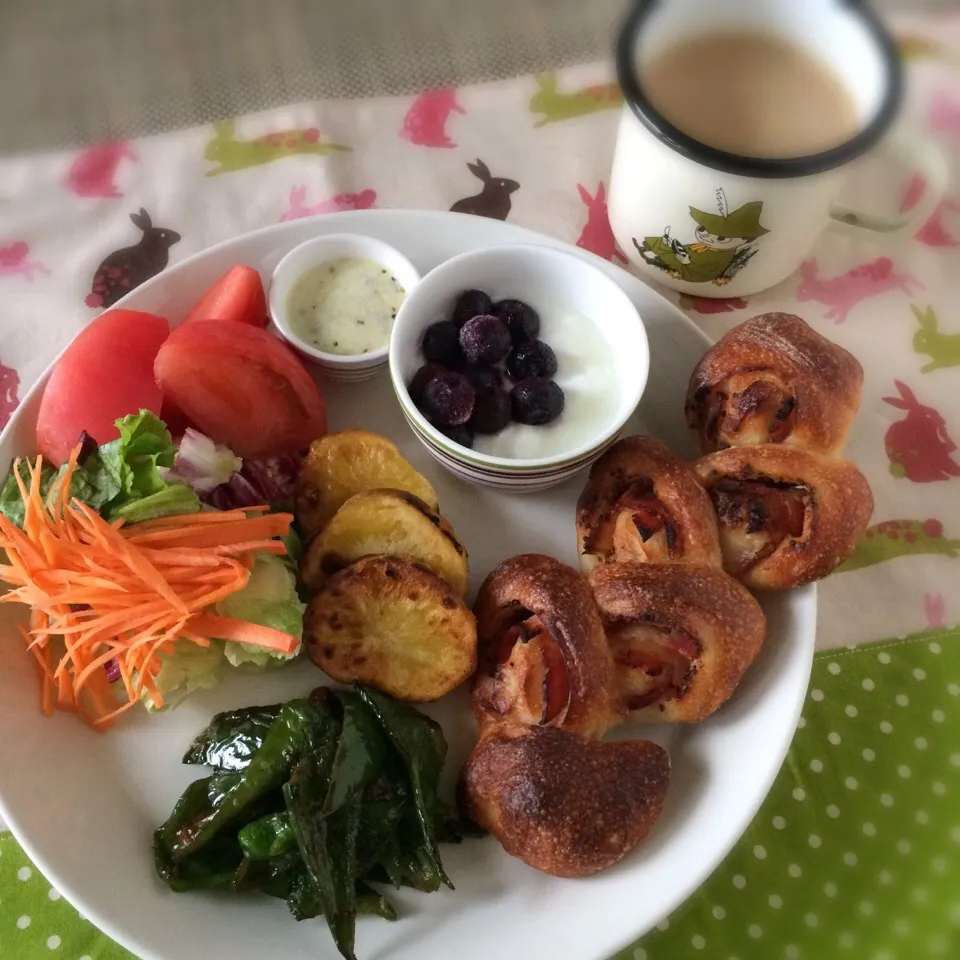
{"type": "Point", "coordinates": [715, 224]}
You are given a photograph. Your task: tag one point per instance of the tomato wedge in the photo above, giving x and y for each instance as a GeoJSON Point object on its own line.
{"type": "Point", "coordinates": [241, 386]}
{"type": "Point", "coordinates": [238, 295]}
{"type": "Point", "coordinates": [105, 374]}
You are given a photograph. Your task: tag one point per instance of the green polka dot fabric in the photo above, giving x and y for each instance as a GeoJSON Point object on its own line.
{"type": "Point", "coordinates": [856, 852]}
{"type": "Point", "coordinates": [36, 922]}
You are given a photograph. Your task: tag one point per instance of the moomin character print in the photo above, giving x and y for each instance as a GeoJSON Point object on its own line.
{"type": "Point", "coordinates": [724, 244]}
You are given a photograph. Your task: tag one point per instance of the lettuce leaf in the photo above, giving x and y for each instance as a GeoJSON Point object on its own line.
{"type": "Point", "coordinates": [11, 503]}
{"type": "Point", "coordinates": [269, 599]}
{"type": "Point", "coordinates": [187, 669]}
{"type": "Point", "coordinates": [170, 502]}
{"type": "Point", "coordinates": [123, 478]}
{"type": "Point", "coordinates": [135, 460]}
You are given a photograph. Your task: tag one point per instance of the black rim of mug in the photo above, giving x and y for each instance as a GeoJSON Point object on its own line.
{"type": "Point", "coordinates": [734, 163]}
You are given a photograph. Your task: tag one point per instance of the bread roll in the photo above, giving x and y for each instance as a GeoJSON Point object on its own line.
{"type": "Point", "coordinates": [564, 804]}
{"type": "Point", "coordinates": [787, 517]}
{"type": "Point", "coordinates": [543, 657]}
{"type": "Point", "coordinates": [774, 379]}
{"type": "Point", "coordinates": [682, 637]}
{"type": "Point", "coordinates": [643, 503]}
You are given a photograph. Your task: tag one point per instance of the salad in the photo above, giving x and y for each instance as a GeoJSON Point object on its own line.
{"type": "Point", "coordinates": [152, 538]}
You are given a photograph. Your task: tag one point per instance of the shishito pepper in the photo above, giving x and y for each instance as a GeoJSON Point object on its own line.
{"type": "Point", "coordinates": [313, 799]}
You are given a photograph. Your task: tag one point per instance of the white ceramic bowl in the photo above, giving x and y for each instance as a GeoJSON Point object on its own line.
{"type": "Point", "coordinates": [551, 281]}
{"type": "Point", "coordinates": [319, 250]}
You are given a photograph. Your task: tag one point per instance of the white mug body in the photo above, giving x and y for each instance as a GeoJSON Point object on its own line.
{"type": "Point", "coordinates": [715, 224]}
{"type": "Point", "coordinates": [675, 218]}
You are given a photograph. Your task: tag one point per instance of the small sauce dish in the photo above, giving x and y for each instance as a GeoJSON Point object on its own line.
{"type": "Point", "coordinates": [334, 299]}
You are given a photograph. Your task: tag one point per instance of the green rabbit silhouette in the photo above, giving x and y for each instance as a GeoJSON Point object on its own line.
{"type": "Point", "coordinates": [944, 348]}
{"type": "Point", "coordinates": [232, 154]}
{"type": "Point", "coordinates": [900, 538]}
{"type": "Point", "coordinates": [555, 106]}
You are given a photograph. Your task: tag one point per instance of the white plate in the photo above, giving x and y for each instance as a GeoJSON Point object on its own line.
{"type": "Point", "coordinates": [84, 806]}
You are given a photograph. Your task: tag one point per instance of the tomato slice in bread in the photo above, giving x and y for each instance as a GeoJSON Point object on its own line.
{"type": "Point", "coordinates": [105, 374]}
{"type": "Point", "coordinates": [241, 386]}
{"type": "Point", "coordinates": [238, 295]}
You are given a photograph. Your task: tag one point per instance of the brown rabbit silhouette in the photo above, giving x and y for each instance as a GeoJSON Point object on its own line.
{"type": "Point", "coordinates": [493, 200]}
{"type": "Point", "coordinates": [127, 268]}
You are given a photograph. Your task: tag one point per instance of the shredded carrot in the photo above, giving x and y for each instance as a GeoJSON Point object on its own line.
{"type": "Point", "coordinates": [102, 591]}
{"type": "Point", "coordinates": [216, 535]}
{"type": "Point", "coordinates": [241, 631]}
{"type": "Point", "coordinates": [198, 519]}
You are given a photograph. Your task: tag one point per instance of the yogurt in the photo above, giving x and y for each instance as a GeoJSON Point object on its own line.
{"type": "Point", "coordinates": [586, 374]}
{"type": "Point", "coordinates": [345, 307]}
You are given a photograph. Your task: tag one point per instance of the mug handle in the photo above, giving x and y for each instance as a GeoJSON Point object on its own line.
{"type": "Point", "coordinates": [914, 155]}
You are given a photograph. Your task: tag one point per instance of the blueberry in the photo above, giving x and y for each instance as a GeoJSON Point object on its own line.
{"type": "Point", "coordinates": [447, 399]}
{"type": "Point", "coordinates": [441, 344]}
{"type": "Point", "coordinates": [420, 379]}
{"type": "Point", "coordinates": [484, 377]}
{"type": "Point", "coordinates": [470, 304]}
{"type": "Point", "coordinates": [521, 319]}
{"type": "Point", "coordinates": [462, 434]}
{"type": "Point", "coordinates": [492, 410]}
{"type": "Point", "coordinates": [535, 359]}
{"type": "Point", "coordinates": [536, 401]}
{"type": "Point", "coordinates": [484, 340]}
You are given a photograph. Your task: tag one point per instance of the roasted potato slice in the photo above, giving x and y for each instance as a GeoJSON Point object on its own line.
{"type": "Point", "coordinates": [341, 465]}
{"type": "Point", "coordinates": [387, 522]}
{"type": "Point", "coordinates": [395, 625]}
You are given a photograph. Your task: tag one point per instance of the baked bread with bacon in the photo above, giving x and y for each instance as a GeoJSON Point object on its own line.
{"type": "Point", "coordinates": [682, 637]}
{"type": "Point", "coordinates": [786, 516]}
{"type": "Point", "coordinates": [643, 503]}
{"type": "Point", "coordinates": [543, 658]}
{"type": "Point", "coordinates": [774, 379]}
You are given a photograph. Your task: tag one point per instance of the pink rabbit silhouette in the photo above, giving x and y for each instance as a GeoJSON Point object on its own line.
{"type": "Point", "coordinates": [915, 190]}
{"type": "Point", "coordinates": [597, 236]}
{"type": "Point", "coordinates": [919, 447]}
{"type": "Point", "coordinates": [425, 123]}
{"type": "Point", "coordinates": [14, 260]}
{"type": "Point", "coordinates": [841, 294]}
{"type": "Point", "coordinates": [709, 305]}
{"type": "Point", "coordinates": [934, 607]}
{"type": "Point", "coordinates": [341, 201]}
{"type": "Point", "coordinates": [9, 384]}
{"type": "Point", "coordinates": [944, 114]}
{"type": "Point", "coordinates": [934, 232]}
{"type": "Point", "coordinates": [93, 170]}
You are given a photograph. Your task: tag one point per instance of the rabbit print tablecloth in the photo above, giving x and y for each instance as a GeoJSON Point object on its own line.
{"type": "Point", "coordinates": [857, 850]}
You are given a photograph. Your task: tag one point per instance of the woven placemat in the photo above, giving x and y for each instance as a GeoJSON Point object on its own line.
{"type": "Point", "coordinates": [75, 71]}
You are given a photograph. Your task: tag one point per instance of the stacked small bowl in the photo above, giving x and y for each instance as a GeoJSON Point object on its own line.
{"type": "Point", "coordinates": [535, 275]}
